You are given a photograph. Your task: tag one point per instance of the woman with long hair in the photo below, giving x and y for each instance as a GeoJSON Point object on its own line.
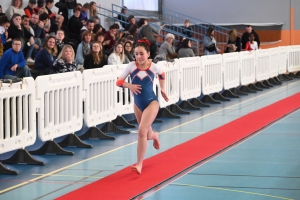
{"type": "Point", "coordinates": [146, 105]}
{"type": "Point", "coordinates": [128, 50]}
{"type": "Point", "coordinates": [210, 43]}
{"type": "Point", "coordinates": [84, 47]}
{"type": "Point", "coordinates": [65, 61]}
{"type": "Point", "coordinates": [234, 42]}
{"type": "Point", "coordinates": [15, 8]}
{"type": "Point", "coordinates": [96, 57]}
{"type": "Point", "coordinates": [117, 56]}
{"type": "Point", "coordinates": [186, 50]}
{"type": "Point", "coordinates": [252, 44]}
{"type": "Point", "coordinates": [93, 9]}
{"type": "Point", "coordinates": [45, 58]}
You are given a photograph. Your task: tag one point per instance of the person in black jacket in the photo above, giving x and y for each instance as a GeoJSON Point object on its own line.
{"type": "Point", "coordinates": [75, 25]}
{"type": "Point", "coordinates": [16, 30]}
{"type": "Point", "coordinates": [187, 31]}
{"type": "Point", "coordinates": [96, 57]}
{"type": "Point", "coordinates": [246, 36]}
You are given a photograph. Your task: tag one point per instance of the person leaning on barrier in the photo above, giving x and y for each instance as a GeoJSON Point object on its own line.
{"type": "Point", "coordinates": [186, 50]}
{"type": "Point", "coordinates": [65, 61]}
{"type": "Point", "coordinates": [234, 42]}
{"type": "Point", "coordinates": [13, 64]}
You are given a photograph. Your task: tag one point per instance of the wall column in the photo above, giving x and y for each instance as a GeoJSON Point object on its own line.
{"type": "Point", "coordinates": [292, 23]}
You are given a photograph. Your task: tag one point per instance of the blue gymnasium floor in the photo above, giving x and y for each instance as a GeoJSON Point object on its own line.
{"type": "Point", "coordinates": [265, 166]}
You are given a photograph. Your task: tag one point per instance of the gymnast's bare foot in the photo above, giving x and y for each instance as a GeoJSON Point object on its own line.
{"type": "Point", "coordinates": [136, 169]}
{"type": "Point", "coordinates": [156, 143]}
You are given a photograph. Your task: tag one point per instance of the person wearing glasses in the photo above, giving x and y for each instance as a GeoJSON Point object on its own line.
{"type": "Point", "coordinates": [13, 64]}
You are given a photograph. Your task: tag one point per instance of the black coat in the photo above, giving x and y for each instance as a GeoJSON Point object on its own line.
{"type": "Point", "coordinates": [246, 36]}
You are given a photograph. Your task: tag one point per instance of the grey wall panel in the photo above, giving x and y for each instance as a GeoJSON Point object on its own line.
{"type": "Point", "coordinates": [234, 11]}
{"type": "Point", "coordinates": [296, 5]}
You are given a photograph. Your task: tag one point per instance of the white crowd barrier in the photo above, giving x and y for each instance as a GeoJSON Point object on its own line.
{"type": "Point", "coordinates": [190, 77]}
{"type": "Point", "coordinates": [231, 69]}
{"type": "Point", "coordinates": [17, 115]}
{"type": "Point", "coordinates": [247, 70]}
{"type": "Point", "coordinates": [212, 74]}
{"type": "Point", "coordinates": [100, 103]}
{"type": "Point", "coordinates": [282, 60]}
{"type": "Point", "coordinates": [273, 62]}
{"type": "Point", "coordinates": [60, 109]}
{"type": "Point", "coordinates": [293, 58]}
{"type": "Point", "coordinates": [262, 64]}
{"type": "Point", "coordinates": [171, 82]}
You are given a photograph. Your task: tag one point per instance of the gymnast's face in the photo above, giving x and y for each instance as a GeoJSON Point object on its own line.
{"type": "Point", "coordinates": [141, 55]}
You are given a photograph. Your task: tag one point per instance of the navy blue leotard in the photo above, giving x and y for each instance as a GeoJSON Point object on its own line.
{"type": "Point", "coordinates": [145, 78]}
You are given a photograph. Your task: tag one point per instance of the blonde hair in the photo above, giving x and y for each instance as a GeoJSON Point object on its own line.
{"type": "Point", "coordinates": [62, 53]}
{"type": "Point", "coordinates": [232, 35]}
{"type": "Point", "coordinates": [186, 21]}
{"type": "Point", "coordinates": [13, 3]}
{"type": "Point", "coordinates": [93, 12]}
{"type": "Point", "coordinates": [51, 51]}
{"type": "Point", "coordinates": [122, 54]}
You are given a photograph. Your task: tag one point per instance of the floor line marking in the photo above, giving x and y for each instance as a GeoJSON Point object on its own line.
{"type": "Point", "coordinates": [230, 190]}
{"type": "Point", "coordinates": [113, 150]}
{"type": "Point", "coordinates": [67, 175]}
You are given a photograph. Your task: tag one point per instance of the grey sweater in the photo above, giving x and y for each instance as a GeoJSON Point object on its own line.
{"type": "Point", "coordinates": [166, 48]}
{"type": "Point", "coordinates": [185, 52]}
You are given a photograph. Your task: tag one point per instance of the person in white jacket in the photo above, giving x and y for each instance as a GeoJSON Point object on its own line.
{"type": "Point", "coordinates": [117, 56]}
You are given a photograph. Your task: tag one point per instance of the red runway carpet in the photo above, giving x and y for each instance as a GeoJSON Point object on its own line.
{"type": "Point", "coordinates": [126, 184]}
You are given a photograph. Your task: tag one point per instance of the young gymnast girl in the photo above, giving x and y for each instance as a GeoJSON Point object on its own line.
{"type": "Point", "coordinates": [146, 106]}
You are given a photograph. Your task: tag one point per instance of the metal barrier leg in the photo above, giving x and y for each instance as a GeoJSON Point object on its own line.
{"type": "Point", "coordinates": [209, 99]}
{"type": "Point", "coordinates": [284, 77]}
{"type": "Point", "coordinates": [218, 96]}
{"type": "Point", "coordinates": [174, 108]}
{"type": "Point", "coordinates": [165, 112]}
{"type": "Point", "coordinates": [120, 121]}
{"type": "Point", "coordinates": [261, 85]}
{"type": "Point", "coordinates": [246, 89]}
{"type": "Point", "coordinates": [265, 82]}
{"type": "Point", "coordinates": [4, 170]}
{"type": "Point", "coordinates": [293, 75]}
{"type": "Point", "coordinates": [277, 79]}
{"type": "Point", "coordinates": [198, 103]}
{"type": "Point", "coordinates": [73, 140]}
{"type": "Point", "coordinates": [254, 87]}
{"type": "Point", "coordinates": [110, 127]}
{"type": "Point", "coordinates": [51, 147]}
{"type": "Point", "coordinates": [96, 133]}
{"type": "Point", "coordinates": [22, 156]}
{"type": "Point", "coordinates": [188, 105]}
{"type": "Point", "coordinates": [273, 81]}
{"type": "Point", "coordinates": [230, 94]}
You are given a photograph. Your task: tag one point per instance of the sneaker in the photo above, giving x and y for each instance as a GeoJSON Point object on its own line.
{"type": "Point", "coordinates": [29, 60]}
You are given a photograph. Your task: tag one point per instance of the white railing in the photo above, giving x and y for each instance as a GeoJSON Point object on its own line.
{"type": "Point", "coordinates": [262, 64]}
{"type": "Point", "coordinates": [60, 104]}
{"type": "Point", "coordinates": [231, 68]}
{"type": "Point", "coordinates": [212, 74]}
{"type": "Point", "coordinates": [171, 82]}
{"type": "Point", "coordinates": [282, 60]}
{"type": "Point", "coordinates": [190, 77]}
{"type": "Point", "coordinates": [273, 62]}
{"type": "Point", "coordinates": [100, 95]}
{"type": "Point", "coordinates": [247, 70]}
{"type": "Point", "coordinates": [17, 115]}
{"type": "Point", "coordinates": [293, 58]}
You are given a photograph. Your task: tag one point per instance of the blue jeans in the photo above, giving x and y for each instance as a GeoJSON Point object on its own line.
{"type": "Point", "coordinates": [20, 73]}
{"type": "Point", "coordinates": [27, 50]}
{"type": "Point", "coordinates": [70, 13]}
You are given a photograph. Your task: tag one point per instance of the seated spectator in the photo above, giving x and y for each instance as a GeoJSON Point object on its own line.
{"type": "Point", "coordinates": [210, 43]}
{"type": "Point", "coordinates": [29, 10]}
{"type": "Point", "coordinates": [131, 39]}
{"type": "Point", "coordinates": [110, 39]}
{"type": "Point", "coordinates": [123, 17]}
{"type": "Point", "coordinates": [234, 42]}
{"type": "Point", "coordinates": [65, 61]}
{"type": "Point", "coordinates": [75, 25]}
{"type": "Point", "coordinates": [60, 36]}
{"type": "Point", "coordinates": [128, 50]}
{"type": "Point", "coordinates": [97, 29]}
{"type": "Point", "coordinates": [16, 30]}
{"type": "Point", "coordinates": [26, 24]}
{"type": "Point", "coordinates": [187, 31]}
{"type": "Point", "coordinates": [186, 50]}
{"type": "Point", "coordinates": [246, 36]}
{"type": "Point", "coordinates": [252, 44]}
{"type": "Point", "coordinates": [179, 45]}
{"type": "Point", "coordinates": [39, 33]}
{"type": "Point", "coordinates": [147, 31]}
{"type": "Point", "coordinates": [96, 19]}
{"type": "Point", "coordinates": [4, 25]}
{"type": "Point", "coordinates": [52, 15]}
{"type": "Point", "coordinates": [99, 37]}
{"type": "Point", "coordinates": [13, 64]}
{"type": "Point", "coordinates": [133, 32]}
{"type": "Point", "coordinates": [131, 20]}
{"type": "Point", "coordinates": [167, 47]}
{"type": "Point", "coordinates": [59, 25]}
{"type": "Point", "coordinates": [117, 56]}
{"type": "Point", "coordinates": [96, 57]}
{"type": "Point", "coordinates": [62, 10]}
{"type": "Point", "coordinates": [40, 5]}
{"type": "Point", "coordinates": [1, 13]}
{"type": "Point", "coordinates": [45, 57]}
{"type": "Point", "coordinates": [89, 27]}
{"type": "Point", "coordinates": [93, 11]}
{"type": "Point", "coordinates": [84, 13]}
{"type": "Point", "coordinates": [15, 8]}
{"type": "Point", "coordinates": [83, 48]}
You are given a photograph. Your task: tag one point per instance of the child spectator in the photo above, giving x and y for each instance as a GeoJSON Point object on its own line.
{"type": "Point", "coordinates": [252, 44]}
{"type": "Point", "coordinates": [187, 29]}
